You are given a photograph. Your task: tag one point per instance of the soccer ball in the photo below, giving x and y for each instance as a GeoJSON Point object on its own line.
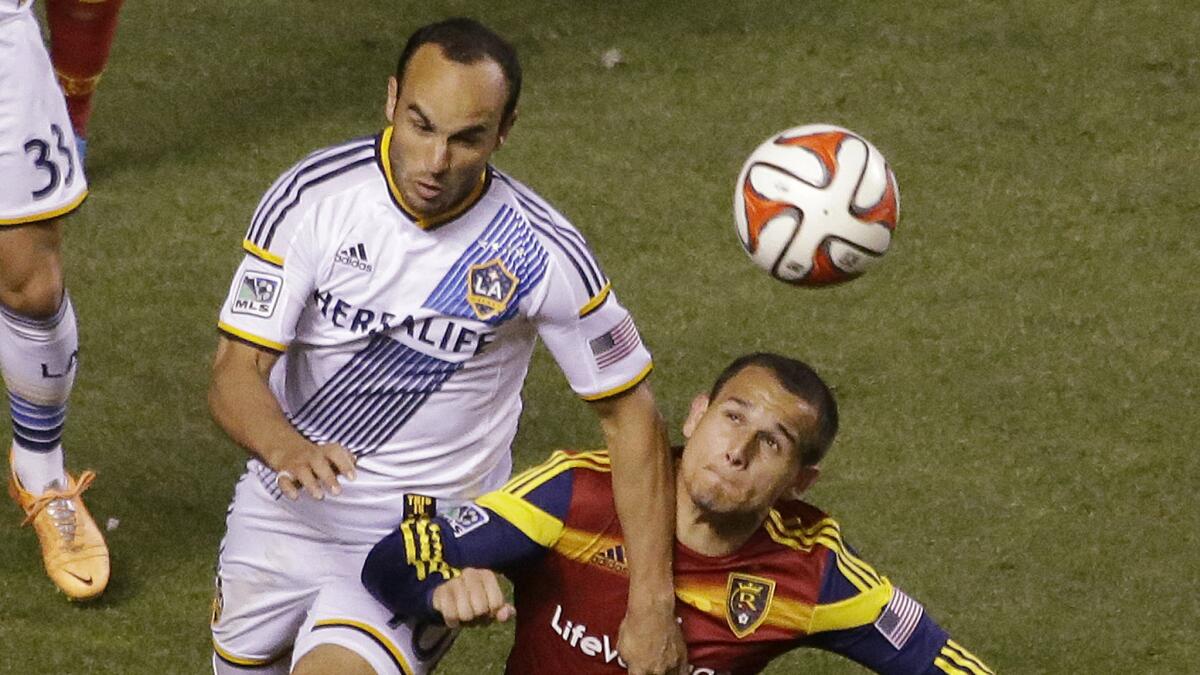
{"type": "Point", "coordinates": [816, 205]}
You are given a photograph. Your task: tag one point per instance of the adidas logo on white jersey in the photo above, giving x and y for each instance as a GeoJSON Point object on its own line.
{"type": "Point", "coordinates": [354, 256]}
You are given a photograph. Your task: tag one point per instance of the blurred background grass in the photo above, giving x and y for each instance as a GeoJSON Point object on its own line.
{"type": "Point", "coordinates": [1018, 377]}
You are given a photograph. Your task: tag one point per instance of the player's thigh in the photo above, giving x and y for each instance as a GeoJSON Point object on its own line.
{"type": "Point", "coordinates": [329, 658]}
{"type": "Point", "coordinates": [344, 614]}
{"type": "Point", "coordinates": [269, 572]}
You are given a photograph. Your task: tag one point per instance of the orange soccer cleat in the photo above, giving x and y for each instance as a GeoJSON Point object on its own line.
{"type": "Point", "coordinates": [73, 549]}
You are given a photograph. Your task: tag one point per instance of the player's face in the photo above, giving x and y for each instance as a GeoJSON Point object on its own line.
{"type": "Point", "coordinates": [448, 119]}
{"type": "Point", "coordinates": [742, 448]}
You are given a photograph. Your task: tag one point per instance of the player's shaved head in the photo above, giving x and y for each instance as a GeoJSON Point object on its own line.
{"type": "Point", "coordinates": [467, 41]}
{"type": "Point", "coordinates": [800, 379]}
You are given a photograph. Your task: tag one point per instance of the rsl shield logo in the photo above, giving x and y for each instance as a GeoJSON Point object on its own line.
{"type": "Point", "coordinates": [748, 600]}
{"type": "Point", "coordinates": [490, 287]}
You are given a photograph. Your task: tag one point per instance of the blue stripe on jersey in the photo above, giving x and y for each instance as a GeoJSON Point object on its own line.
{"type": "Point", "coordinates": [372, 396]}
{"type": "Point", "coordinates": [507, 237]}
{"type": "Point", "coordinates": [36, 427]}
{"type": "Point", "coordinates": [569, 240]}
{"type": "Point", "coordinates": [287, 191]}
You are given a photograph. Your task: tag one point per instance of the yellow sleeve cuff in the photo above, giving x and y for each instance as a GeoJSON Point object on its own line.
{"type": "Point", "coordinates": [251, 338]}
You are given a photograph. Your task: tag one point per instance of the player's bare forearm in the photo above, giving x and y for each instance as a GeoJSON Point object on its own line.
{"type": "Point", "coordinates": [644, 489]}
{"type": "Point", "coordinates": [645, 497]}
{"type": "Point", "coordinates": [242, 404]}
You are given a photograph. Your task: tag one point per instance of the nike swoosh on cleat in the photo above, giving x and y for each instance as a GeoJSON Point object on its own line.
{"type": "Point", "coordinates": [87, 580]}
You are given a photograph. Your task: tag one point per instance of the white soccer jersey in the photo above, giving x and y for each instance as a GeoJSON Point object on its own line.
{"type": "Point", "coordinates": [10, 8]}
{"type": "Point", "coordinates": [407, 341]}
{"type": "Point", "coordinates": [40, 173]}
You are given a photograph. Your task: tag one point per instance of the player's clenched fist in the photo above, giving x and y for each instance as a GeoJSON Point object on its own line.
{"type": "Point", "coordinates": [474, 597]}
{"type": "Point", "coordinates": [314, 469]}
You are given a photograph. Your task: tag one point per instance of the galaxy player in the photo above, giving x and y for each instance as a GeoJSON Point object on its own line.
{"type": "Point", "coordinates": [373, 346]}
{"type": "Point", "coordinates": [41, 181]}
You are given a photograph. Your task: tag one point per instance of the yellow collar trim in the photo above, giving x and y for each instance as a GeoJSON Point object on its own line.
{"type": "Point", "coordinates": [385, 163]}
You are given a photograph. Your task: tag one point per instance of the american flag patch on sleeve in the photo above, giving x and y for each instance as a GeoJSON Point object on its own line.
{"type": "Point", "coordinates": [899, 619]}
{"type": "Point", "coordinates": [616, 344]}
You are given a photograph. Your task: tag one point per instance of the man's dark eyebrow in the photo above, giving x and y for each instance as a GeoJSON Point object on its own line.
{"type": "Point", "coordinates": [474, 130]}
{"type": "Point", "coordinates": [793, 438]}
{"type": "Point", "coordinates": [787, 434]}
{"type": "Point", "coordinates": [413, 107]}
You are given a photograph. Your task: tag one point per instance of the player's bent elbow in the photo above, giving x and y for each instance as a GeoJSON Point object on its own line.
{"type": "Point", "coordinates": [373, 574]}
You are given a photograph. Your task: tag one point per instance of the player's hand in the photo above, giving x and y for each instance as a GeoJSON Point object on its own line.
{"type": "Point", "coordinates": [472, 598]}
{"type": "Point", "coordinates": [651, 641]}
{"type": "Point", "coordinates": [314, 469]}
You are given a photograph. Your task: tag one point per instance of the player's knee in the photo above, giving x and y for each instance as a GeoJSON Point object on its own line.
{"type": "Point", "coordinates": [37, 294]}
{"type": "Point", "coordinates": [329, 658]}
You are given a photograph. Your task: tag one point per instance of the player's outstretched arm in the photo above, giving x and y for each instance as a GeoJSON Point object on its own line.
{"type": "Point", "coordinates": [242, 404]}
{"type": "Point", "coordinates": [863, 617]}
{"type": "Point", "coordinates": [650, 640]}
{"type": "Point", "coordinates": [899, 645]}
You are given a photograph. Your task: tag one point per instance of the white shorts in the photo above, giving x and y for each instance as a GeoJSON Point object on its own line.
{"type": "Point", "coordinates": [284, 588]}
{"type": "Point", "coordinates": [40, 173]}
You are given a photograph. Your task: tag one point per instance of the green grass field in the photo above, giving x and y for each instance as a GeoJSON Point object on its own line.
{"type": "Point", "coordinates": [1018, 379]}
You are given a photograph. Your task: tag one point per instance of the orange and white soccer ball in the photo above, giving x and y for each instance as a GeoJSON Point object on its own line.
{"type": "Point", "coordinates": [816, 205]}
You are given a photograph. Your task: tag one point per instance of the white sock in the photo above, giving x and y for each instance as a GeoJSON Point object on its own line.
{"type": "Point", "coordinates": [39, 470]}
{"type": "Point", "coordinates": [38, 360]}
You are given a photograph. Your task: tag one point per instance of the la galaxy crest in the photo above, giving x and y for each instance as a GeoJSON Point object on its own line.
{"type": "Point", "coordinates": [747, 602]}
{"type": "Point", "coordinates": [490, 287]}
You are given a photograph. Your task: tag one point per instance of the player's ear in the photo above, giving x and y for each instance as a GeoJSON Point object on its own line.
{"type": "Point", "coordinates": [699, 405]}
{"type": "Point", "coordinates": [393, 93]}
{"type": "Point", "coordinates": [805, 479]}
{"type": "Point", "coordinates": [505, 127]}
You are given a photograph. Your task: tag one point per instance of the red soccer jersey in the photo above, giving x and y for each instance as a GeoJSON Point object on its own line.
{"type": "Point", "coordinates": [554, 532]}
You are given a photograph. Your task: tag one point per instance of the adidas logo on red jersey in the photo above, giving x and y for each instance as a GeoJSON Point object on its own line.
{"type": "Point", "coordinates": [613, 559]}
